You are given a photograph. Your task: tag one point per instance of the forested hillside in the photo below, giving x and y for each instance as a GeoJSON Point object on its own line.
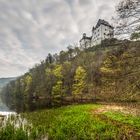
{"type": "Point", "coordinates": [4, 81]}
{"type": "Point", "coordinates": [107, 72]}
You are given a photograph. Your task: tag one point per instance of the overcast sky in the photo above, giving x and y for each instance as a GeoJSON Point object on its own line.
{"type": "Point", "coordinates": [30, 29]}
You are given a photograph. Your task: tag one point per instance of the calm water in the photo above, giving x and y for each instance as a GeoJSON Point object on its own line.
{"type": "Point", "coordinates": [6, 113]}
{"type": "Point", "coordinates": [4, 110]}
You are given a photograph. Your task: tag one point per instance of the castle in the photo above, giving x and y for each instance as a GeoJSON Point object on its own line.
{"type": "Point", "coordinates": [103, 30]}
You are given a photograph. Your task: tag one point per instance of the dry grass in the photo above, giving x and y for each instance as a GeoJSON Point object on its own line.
{"type": "Point", "coordinates": [118, 108]}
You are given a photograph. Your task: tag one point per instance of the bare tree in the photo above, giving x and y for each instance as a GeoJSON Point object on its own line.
{"type": "Point", "coordinates": [128, 16]}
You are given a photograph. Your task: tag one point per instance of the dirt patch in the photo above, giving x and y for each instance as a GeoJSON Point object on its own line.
{"type": "Point", "coordinates": [117, 108]}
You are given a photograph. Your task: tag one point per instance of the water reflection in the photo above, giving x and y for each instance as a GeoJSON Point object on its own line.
{"type": "Point", "coordinates": [7, 113]}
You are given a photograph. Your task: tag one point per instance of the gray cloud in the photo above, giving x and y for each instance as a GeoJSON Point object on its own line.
{"type": "Point", "coordinates": [30, 29]}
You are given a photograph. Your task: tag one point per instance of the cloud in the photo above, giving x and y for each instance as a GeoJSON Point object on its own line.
{"type": "Point", "coordinates": [30, 29]}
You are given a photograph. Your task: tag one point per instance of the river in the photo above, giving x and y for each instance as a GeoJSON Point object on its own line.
{"type": "Point", "coordinates": [4, 111]}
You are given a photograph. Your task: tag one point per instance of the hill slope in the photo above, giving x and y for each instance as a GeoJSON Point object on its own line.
{"type": "Point", "coordinates": [107, 72]}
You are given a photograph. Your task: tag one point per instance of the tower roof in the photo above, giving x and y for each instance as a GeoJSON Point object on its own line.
{"type": "Point", "coordinates": [85, 37]}
{"type": "Point", "coordinates": [102, 22]}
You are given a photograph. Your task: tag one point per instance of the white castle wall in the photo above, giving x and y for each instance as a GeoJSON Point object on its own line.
{"type": "Point", "coordinates": [101, 33]}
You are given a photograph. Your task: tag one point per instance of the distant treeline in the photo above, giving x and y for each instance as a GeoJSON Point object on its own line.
{"type": "Point", "coordinates": [108, 72]}
{"type": "Point", "coordinates": [4, 81]}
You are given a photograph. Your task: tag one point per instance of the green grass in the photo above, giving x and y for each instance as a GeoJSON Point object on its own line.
{"type": "Point", "coordinates": [79, 122]}
{"type": "Point", "coordinates": [71, 122]}
{"type": "Point", "coordinates": [126, 119]}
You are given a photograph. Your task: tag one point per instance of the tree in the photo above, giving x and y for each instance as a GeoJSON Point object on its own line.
{"type": "Point", "coordinates": [63, 56]}
{"type": "Point", "coordinates": [28, 93]}
{"type": "Point", "coordinates": [70, 52]}
{"type": "Point", "coordinates": [79, 81]}
{"type": "Point", "coordinates": [57, 90]}
{"type": "Point", "coordinates": [18, 95]}
{"type": "Point", "coordinates": [135, 36]}
{"type": "Point", "coordinates": [128, 16]}
{"type": "Point", "coordinates": [49, 84]}
{"type": "Point", "coordinates": [49, 59]}
{"type": "Point", "coordinates": [28, 81]}
{"type": "Point", "coordinates": [68, 73]}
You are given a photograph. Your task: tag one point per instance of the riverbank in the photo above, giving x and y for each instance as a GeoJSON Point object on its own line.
{"type": "Point", "coordinates": [86, 121]}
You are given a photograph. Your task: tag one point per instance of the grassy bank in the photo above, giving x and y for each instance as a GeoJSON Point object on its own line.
{"type": "Point", "coordinates": [82, 122]}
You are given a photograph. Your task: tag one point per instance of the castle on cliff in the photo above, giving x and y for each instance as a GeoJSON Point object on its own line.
{"type": "Point", "coordinates": [103, 30]}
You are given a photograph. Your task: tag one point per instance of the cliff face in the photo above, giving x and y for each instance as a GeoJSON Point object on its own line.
{"type": "Point", "coordinates": [112, 74]}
